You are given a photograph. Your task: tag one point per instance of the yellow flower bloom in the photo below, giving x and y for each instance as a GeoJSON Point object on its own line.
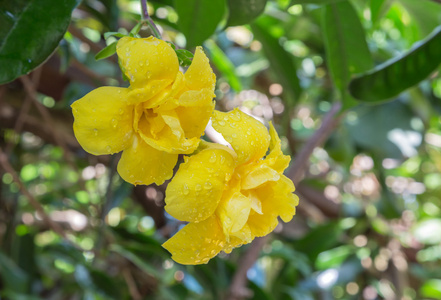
{"type": "Point", "coordinates": [162, 114]}
{"type": "Point", "coordinates": [229, 197]}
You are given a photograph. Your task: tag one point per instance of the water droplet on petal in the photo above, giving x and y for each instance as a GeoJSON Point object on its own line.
{"type": "Point", "coordinates": [114, 123]}
{"type": "Point", "coordinates": [95, 131]}
{"type": "Point", "coordinates": [212, 158]}
{"type": "Point", "coordinates": [109, 149]}
{"type": "Point", "coordinates": [208, 185]}
{"type": "Point", "coordinates": [198, 187]}
{"type": "Point", "coordinates": [185, 190]}
{"type": "Point", "coordinates": [222, 159]}
{"type": "Point", "coordinates": [221, 123]}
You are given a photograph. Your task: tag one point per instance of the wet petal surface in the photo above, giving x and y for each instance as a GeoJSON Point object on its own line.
{"type": "Point", "coordinates": [248, 137]}
{"type": "Point", "coordinates": [196, 189]}
{"type": "Point", "coordinates": [103, 121]}
{"type": "Point", "coordinates": [149, 63]}
{"type": "Point", "coordinates": [142, 164]}
{"type": "Point", "coordinates": [196, 243]}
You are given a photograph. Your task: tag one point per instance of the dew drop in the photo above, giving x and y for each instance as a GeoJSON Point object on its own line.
{"type": "Point", "coordinates": [109, 149]}
{"type": "Point", "coordinates": [114, 123]}
{"type": "Point", "coordinates": [185, 190]}
{"type": "Point", "coordinates": [95, 131]}
{"type": "Point", "coordinates": [208, 185]}
{"type": "Point", "coordinates": [198, 187]}
{"type": "Point", "coordinates": [222, 159]}
{"type": "Point", "coordinates": [234, 135]}
{"type": "Point", "coordinates": [212, 158]}
{"type": "Point", "coordinates": [221, 123]}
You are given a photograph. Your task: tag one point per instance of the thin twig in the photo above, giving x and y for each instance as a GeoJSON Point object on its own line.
{"type": "Point", "coordinates": [237, 288]}
{"type": "Point", "coordinates": [302, 159]}
{"type": "Point", "coordinates": [24, 110]}
{"type": "Point", "coordinates": [131, 284]}
{"type": "Point", "coordinates": [37, 206]}
{"type": "Point", "coordinates": [149, 20]}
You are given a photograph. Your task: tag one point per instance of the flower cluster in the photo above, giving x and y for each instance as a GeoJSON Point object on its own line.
{"type": "Point", "coordinates": [228, 196]}
{"type": "Point", "coordinates": [161, 115]}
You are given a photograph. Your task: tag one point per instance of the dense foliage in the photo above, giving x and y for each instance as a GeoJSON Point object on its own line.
{"type": "Point", "coordinates": [352, 87]}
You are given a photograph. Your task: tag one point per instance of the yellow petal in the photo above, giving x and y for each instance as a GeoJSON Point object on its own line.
{"type": "Point", "coordinates": [275, 159]}
{"type": "Point", "coordinates": [284, 201]}
{"type": "Point", "coordinates": [200, 75]}
{"type": "Point", "coordinates": [258, 175]}
{"type": "Point", "coordinates": [248, 137]}
{"type": "Point", "coordinates": [103, 121]}
{"type": "Point", "coordinates": [194, 111]}
{"type": "Point", "coordinates": [277, 199]}
{"type": "Point", "coordinates": [171, 138]}
{"type": "Point", "coordinates": [195, 191]}
{"type": "Point", "coordinates": [142, 164]}
{"type": "Point", "coordinates": [242, 237]}
{"type": "Point", "coordinates": [233, 213]}
{"type": "Point", "coordinates": [196, 243]}
{"type": "Point", "coordinates": [262, 224]}
{"type": "Point", "coordinates": [149, 63]}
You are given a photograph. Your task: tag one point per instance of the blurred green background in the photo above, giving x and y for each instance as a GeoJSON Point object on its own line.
{"type": "Point", "coordinates": [369, 221]}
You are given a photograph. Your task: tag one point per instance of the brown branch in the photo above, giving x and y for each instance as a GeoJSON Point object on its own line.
{"type": "Point", "coordinates": [329, 208]}
{"type": "Point", "coordinates": [24, 110]}
{"type": "Point", "coordinates": [237, 288]}
{"type": "Point", "coordinates": [302, 159]}
{"type": "Point", "coordinates": [4, 163]}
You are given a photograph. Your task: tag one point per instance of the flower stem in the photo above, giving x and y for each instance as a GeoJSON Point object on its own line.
{"type": "Point", "coordinates": [146, 17]}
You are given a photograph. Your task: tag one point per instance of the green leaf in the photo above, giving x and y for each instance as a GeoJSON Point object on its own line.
{"type": "Point", "coordinates": [314, 1]}
{"type": "Point", "coordinates": [198, 19]}
{"type": "Point", "coordinates": [12, 276]}
{"type": "Point", "coordinates": [427, 14]}
{"type": "Point", "coordinates": [137, 28]}
{"type": "Point", "coordinates": [113, 33]}
{"type": "Point", "coordinates": [224, 65]}
{"type": "Point", "coordinates": [379, 8]}
{"type": "Point", "coordinates": [333, 257]}
{"type": "Point", "coordinates": [29, 32]}
{"type": "Point", "coordinates": [144, 266]}
{"type": "Point", "coordinates": [244, 11]}
{"type": "Point", "coordinates": [281, 62]}
{"type": "Point", "coordinates": [184, 56]}
{"type": "Point", "coordinates": [431, 289]}
{"type": "Point", "coordinates": [107, 51]}
{"type": "Point", "coordinates": [346, 48]}
{"type": "Point", "coordinates": [398, 74]}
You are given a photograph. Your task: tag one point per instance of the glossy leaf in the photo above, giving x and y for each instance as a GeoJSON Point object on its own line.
{"type": "Point", "coordinates": [242, 12]}
{"type": "Point", "coordinates": [184, 56]}
{"type": "Point", "coordinates": [281, 62]}
{"type": "Point", "coordinates": [379, 8]}
{"type": "Point", "coordinates": [29, 32]}
{"type": "Point", "coordinates": [107, 51]}
{"type": "Point", "coordinates": [346, 48]}
{"type": "Point", "coordinates": [224, 65]}
{"type": "Point", "coordinates": [198, 19]}
{"type": "Point", "coordinates": [11, 275]}
{"type": "Point", "coordinates": [398, 74]}
{"type": "Point", "coordinates": [314, 1]}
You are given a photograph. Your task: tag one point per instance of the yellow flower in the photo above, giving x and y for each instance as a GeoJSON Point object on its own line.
{"type": "Point", "coordinates": [162, 114]}
{"type": "Point", "coordinates": [229, 197]}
